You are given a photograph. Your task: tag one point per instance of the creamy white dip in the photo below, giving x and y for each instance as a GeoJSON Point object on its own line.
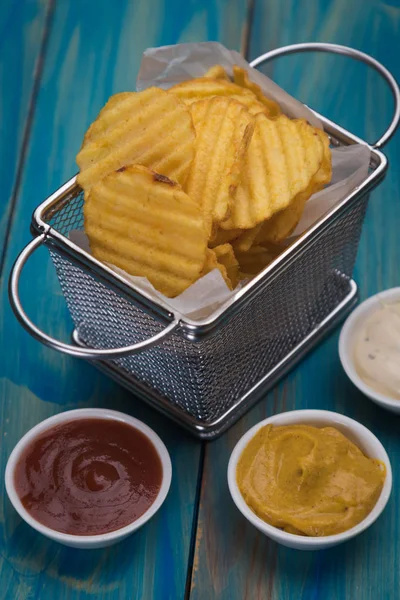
{"type": "Point", "coordinates": [377, 351]}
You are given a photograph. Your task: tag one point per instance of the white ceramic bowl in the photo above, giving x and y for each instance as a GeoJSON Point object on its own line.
{"type": "Point", "coordinates": [88, 541]}
{"type": "Point", "coordinates": [356, 432]}
{"type": "Point", "coordinates": [347, 340]}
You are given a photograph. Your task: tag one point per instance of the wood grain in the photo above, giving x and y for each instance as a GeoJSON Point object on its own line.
{"type": "Point", "coordinates": [22, 31]}
{"type": "Point", "coordinates": [94, 50]}
{"type": "Point", "coordinates": [232, 560]}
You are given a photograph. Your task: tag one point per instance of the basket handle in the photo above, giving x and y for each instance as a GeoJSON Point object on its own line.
{"type": "Point", "coordinates": [89, 353]}
{"type": "Point", "coordinates": [357, 55]}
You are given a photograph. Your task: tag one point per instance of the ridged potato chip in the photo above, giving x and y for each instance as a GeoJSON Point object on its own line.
{"type": "Point", "coordinates": [201, 88]}
{"type": "Point", "coordinates": [198, 111]}
{"type": "Point", "coordinates": [241, 77]}
{"type": "Point", "coordinates": [254, 107]}
{"type": "Point", "coordinates": [217, 72]}
{"type": "Point", "coordinates": [223, 136]}
{"type": "Point", "coordinates": [194, 92]}
{"type": "Point", "coordinates": [283, 157]}
{"type": "Point", "coordinates": [226, 257]}
{"type": "Point", "coordinates": [281, 225]}
{"type": "Point", "coordinates": [145, 224]}
{"type": "Point", "coordinates": [285, 222]}
{"type": "Point", "coordinates": [151, 128]}
{"type": "Point", "coordinates": [324, 174]}
{"type": "Point", "coordinates": [220, 236]}
{"type": "Point", "coordinates": [254, 260]}
{"type": "Point", "coordinates": [246, 239]}
{"type": "Point", "coordinates": [213, 263]}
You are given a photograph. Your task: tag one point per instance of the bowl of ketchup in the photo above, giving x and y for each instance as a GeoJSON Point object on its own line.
{"type": "Point", "coordinates": [88, 478]}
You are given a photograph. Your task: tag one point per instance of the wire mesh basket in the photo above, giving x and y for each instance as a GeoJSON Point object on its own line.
{"type": "Point", "coordinates": [206, 373]}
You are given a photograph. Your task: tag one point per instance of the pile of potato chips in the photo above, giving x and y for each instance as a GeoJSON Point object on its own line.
{"type": "Point", "coordinates": [209, 174]}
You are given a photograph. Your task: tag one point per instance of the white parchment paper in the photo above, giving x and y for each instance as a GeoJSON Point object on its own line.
{"type": "Point", "coordinates": [167, 65]}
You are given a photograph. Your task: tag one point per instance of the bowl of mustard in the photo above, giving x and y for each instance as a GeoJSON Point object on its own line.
{"type": "Point", "coordinates": [310, 479]}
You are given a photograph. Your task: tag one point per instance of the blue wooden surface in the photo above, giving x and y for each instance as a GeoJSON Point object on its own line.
{"type": "Point", "coordinates": [94, 50]}
{"type": "Point", "coordinates": [22, 33]}
{"type": "Point", "coordinates": [51, 89]}
{"type": "Point", "coordinates": [233, 560]}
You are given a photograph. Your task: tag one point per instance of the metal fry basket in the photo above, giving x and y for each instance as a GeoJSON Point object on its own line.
{"type": "Point", "coordinates": [206, 373]}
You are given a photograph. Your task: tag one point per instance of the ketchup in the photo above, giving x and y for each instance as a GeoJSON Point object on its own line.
{"type": "Point", "coordinates": [88, 476]}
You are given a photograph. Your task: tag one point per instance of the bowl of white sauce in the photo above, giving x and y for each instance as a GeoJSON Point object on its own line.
{"type": "Point", "coordinates": [369, 348]}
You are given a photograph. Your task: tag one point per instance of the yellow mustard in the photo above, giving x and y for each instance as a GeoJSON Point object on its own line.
{"type": "Point", "coordinates": [308, 480]}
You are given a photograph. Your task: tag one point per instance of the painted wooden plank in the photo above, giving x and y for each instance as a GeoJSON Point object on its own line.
{"type": "Point", "coordinates": [232, 560]}
{"type": "Point", "coordinates": [94, 50]}
{"type": "Point", "coordinates": [22, 29]}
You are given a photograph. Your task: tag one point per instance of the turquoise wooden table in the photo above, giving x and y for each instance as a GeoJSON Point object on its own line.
{"type": "Point", "coordinates": [59, 62]}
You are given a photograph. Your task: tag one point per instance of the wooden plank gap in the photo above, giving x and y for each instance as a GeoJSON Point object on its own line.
{"type": "Point", "coordinates": [28, 126]}
{"type": "Point", "coordinates": [196, 511]}
{"type": "Point", "coordinates": [247, 29]}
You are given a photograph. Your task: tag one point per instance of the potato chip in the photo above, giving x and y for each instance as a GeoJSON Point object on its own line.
{"type": "Point", "coordinates": [145, 224]}
{"type": "Point", "coordinates": [281, 160]}
{"type": "Point", "coordinates": [254, 106]}
{"type": "Point", "coordinates": [246, 239]}
{"type": "Point", "coordinates": [198, 111]}
{"type": "Point", "coordinates": [217, 72]}
{"type": "Point", "coordinates": [324, 174]}
{"type": "Point", "coordinates": [213, 263]}
{"type": "Point", "coordinates": [226, 257]}
{"type": "Point", "coordinates": [151, 128]}
{"type": "Point", "coordinates": [220, 236]}
{"type": "Point", "coordinates": [200, 88]}
{"type": "Point", "coordinates": [285, 222]}
{"type": "Point", "coordinates": [241, 77]}
{"type": "Point", "coordinates": [223, 135]}
{"type": "Point", "coordinates": [195, 90]}
{"type": "Point", "coordinates": [204, 88]}
{"type": "Point", "coordinates": [254, 260]}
